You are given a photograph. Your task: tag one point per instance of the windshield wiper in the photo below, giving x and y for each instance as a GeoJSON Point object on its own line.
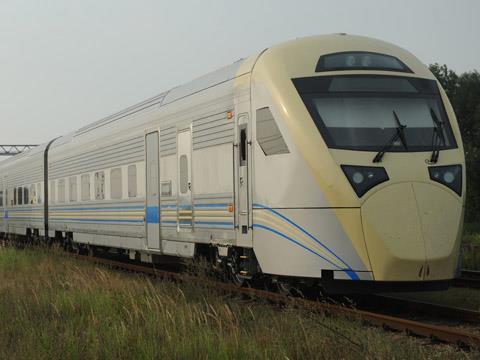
{"type": "Point", "coordinates": [399, 134]}
{"type": "Point", "coordinates": [437, 136]}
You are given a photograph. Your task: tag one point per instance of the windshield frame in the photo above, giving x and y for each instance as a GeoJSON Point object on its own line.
{"type": "Point", "coordinates": [311, 88]}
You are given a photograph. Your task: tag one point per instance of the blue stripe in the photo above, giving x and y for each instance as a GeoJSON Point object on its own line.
{"type": "Point", "coordinates": [99, 220]}
{"type": "Point", "coordinates": [195, 205]}
{"type": "Point", "coordinates": [304, 231]}
{"type": "Point", "coordinates": [40, 218]}
{"type": "Point", "coordinates": [211, 205]}
{"type": "Point", "coordinates": [152, 216]}
{"type": "Point", "coordinates": [215, 223]}
{"type": "Point", "coordinates": [349, 271]}
{"type": "Point", "coordinates": [26, 209]}
{"type": "Point", "coordinates": [136, 207]}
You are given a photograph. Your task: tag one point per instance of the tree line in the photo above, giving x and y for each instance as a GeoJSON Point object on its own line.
{"type": "Point", "coordinates": [464, 93]}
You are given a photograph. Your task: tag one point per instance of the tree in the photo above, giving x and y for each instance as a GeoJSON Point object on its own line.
{"type": "Point", "coordinates": [447, 78]}
{"type": "Point", "coordinates": [464, 94]}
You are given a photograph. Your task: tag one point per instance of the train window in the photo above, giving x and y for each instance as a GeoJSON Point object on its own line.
{"type": "Point", "coordinates": [116, 183]}
{"type": "Point", "coordinates": [33, 195]}
{"type": "Point", "coordinates": [183, 174]}
{"type": "Point", "coordinates": [166, 188]}
{"type": "Point", "coordinates": [1, 198]}
{"type": "Point", "coordinates": [39, 193]}
{"type": "Point", "coordinates": [132, 181]}
{"type": "Point", "coordinates": [99, 185]}
{"type": "Point", "coordinates": [360, 60]}
{"type": "Point", "coordinates": [14, 196]}
{"type": "Point", "coordinates": [269, 136]}
{"type": "Point", "coordinates": [85, 192]}
{"type": "Point", "coordinates": [72, 188]}
{"type": "Point", "coordinates": [243, 147]}
{"type": "Point", "coordinates": [362, 112]}
{"type": "Point", "coordinates": [19, 196]}
{"type": "Point", "coordinates": [61, 190]}
{"type": "Point", "coordinates": [25, 196]}
{"type": "Point", "coordinates": [52, 191]}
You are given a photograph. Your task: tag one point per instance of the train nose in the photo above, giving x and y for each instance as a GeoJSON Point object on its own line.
{"type": "Point", "coordinates": [411, 232]}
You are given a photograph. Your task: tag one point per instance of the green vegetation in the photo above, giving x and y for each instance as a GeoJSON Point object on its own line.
{"type": "Point", "coordinates": [464, 94]}
{"type": "Point", "coordinates": [471, 234]}
{"type": "Point", "coordinates": [471, 246]}
{"type": "Point", "coordinates": [57, 307]}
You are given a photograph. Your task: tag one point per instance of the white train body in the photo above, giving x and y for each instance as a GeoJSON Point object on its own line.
{"type": "Point", "coordinates": [234, 160]}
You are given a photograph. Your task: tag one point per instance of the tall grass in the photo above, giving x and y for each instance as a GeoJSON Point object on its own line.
{"type": "Point", "coordinates": [55, 307]}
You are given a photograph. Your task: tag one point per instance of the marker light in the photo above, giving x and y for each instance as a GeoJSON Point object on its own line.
{"type": "Point", "coordinates": [363, 178]}
{"type": "Point", "coordinates": [450, 176]}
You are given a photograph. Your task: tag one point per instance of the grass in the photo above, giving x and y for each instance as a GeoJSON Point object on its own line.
{"type": "Point", "coordinates": [55, 307]}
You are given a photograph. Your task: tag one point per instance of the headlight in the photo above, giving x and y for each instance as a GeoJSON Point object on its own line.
{"type": "Point", "coordinates": [450, 176]}
{"type": "Point", "coordinates": [363, 178]}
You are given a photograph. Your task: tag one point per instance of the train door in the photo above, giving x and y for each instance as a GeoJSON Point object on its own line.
{"type": "Point", "coordinates": [243, 181]}
{"type": "Point", "coordinates": [152, 214]}
{"type": "Point", "coordinates": [184, 207]}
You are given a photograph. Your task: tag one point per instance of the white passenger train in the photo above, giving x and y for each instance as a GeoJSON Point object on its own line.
{"type": "Point", "coordinates": [334, 160]}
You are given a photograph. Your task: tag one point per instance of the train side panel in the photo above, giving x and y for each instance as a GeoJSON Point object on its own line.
{"type": "Point", "coordinates": [91, 173]}
{"type": "Point", "coordinates": [23, 193]}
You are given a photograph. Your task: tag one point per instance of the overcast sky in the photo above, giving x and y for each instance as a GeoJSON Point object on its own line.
{"type": "Point", "coordinates": [64, 64]}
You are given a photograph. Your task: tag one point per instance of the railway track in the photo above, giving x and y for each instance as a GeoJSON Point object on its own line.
{"type": "Point", "coordinates": [424, 309]}
{"type": "Point", "coordinates": [468, 278]}
{"type": "Point", "coordinates": [440, 333]}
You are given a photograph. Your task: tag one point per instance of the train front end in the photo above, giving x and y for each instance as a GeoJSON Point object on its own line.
{"type": "Point", "coordinates": [381, 143]}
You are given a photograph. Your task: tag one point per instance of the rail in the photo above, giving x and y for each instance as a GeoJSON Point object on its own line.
{"type": "Point", "coordinates": [468, 278]}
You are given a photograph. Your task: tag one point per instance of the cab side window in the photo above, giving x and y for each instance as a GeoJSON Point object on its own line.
{"type": "Point", "coordinates": [269, 136]}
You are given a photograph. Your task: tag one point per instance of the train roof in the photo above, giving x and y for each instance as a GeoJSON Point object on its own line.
{"type": "Point", "coordinates": [321, 44]}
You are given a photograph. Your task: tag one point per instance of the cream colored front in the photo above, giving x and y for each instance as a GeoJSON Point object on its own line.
{"type": "Point", "coordinates": [307, 218]}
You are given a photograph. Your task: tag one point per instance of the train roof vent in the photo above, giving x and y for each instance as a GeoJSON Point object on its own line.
{"type": "Point", "coordinates": [134, 109]}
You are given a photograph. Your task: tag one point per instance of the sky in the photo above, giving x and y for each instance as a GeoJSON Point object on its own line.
{"type": "Point", "coordinates": [64, 64]}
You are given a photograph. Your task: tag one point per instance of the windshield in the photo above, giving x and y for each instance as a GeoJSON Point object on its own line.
{"type": "Point", "coordinates": [357, 112]}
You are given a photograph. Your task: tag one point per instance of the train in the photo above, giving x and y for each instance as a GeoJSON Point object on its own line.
{"type": "Point", "coordinates": [334, 161]}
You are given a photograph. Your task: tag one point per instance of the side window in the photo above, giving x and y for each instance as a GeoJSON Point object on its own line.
{"type": "Point", "coordinates": [99, 185]}
{"type": "Point", "coordinates": [26, 195]}
{"type": "Point", "coordinates": [14, 196]}
{"type": "Point", "coordinates": [20, 196]}
{"type": "Point", "coordinates": [269, 136]}
{"type": "Point", "coordinates": [243, 146]}
{"type": "Point", "coordinates": [116, 183]}
{"type": "Point", "coordinates": [39, 193]}
{"type": "Point", "coordinates": [72, 187]}
{"type": "Point", "coordinates": [85, 179]}
{"type": "Point", "coordinates": [183, 174]}
{"type": "Point", "coordinates": [1, 198]}
{"type": "Point", "coordinates": [33, 194]}
{"type": "Point", "coordinates": [132, 181]}
{"type": "Point", "coordinates": [52, 191]}
{"type": "Point", "coordinates": [61, 190]}
{"type": "Point", "coordinates": [166, 188]}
